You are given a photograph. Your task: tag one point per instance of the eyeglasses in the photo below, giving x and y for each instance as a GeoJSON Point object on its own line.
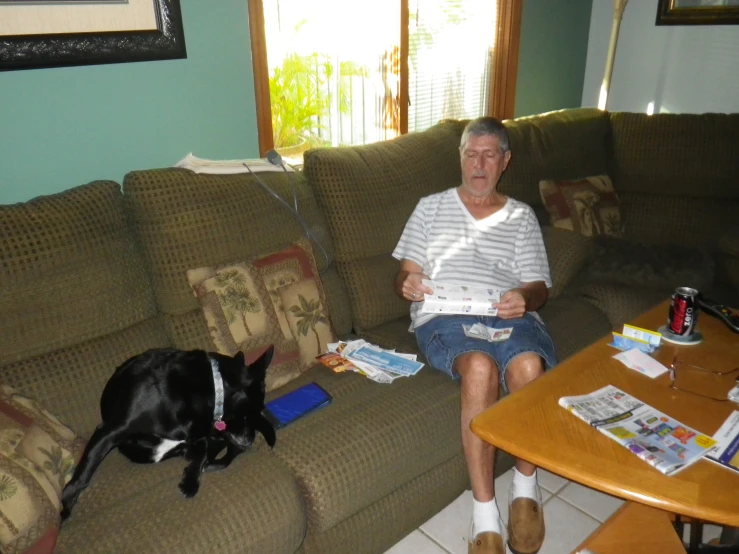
{"type": "Point", "coordinates": [700, 381]}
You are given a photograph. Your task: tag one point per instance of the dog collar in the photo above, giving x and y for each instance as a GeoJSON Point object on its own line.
{"type": "Point", "coordinates": [218, 422]}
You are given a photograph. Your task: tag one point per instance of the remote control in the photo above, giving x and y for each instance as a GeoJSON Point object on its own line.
{"type": "Point", "coordinates": [720, 311]}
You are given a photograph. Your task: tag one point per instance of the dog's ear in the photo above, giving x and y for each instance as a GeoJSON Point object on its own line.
{"type": "Point", "coordinates": [257, 370]}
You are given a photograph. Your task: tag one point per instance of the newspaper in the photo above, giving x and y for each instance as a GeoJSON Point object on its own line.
{"type": "Point", "coordinates": [662, 442]}
{"type": "Point", "coordinates": [727, 450]}
{"type": "Point", "coordinates": [459, 299]}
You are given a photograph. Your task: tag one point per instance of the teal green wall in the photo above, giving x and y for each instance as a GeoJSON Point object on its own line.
{"type": "Point", "coordinates": [65, 126]}
{"type": "Point", "coordinates": [552, 55]}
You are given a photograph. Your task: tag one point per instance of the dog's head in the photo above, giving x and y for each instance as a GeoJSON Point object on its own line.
{"type": "Point", "coordinates": [244, 400]}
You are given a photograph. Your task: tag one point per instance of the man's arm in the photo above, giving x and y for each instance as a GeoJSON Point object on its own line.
{"type": "Point", "coordinates": [408, 281]}
{"type": "Point", "coordinates": [529, 297]}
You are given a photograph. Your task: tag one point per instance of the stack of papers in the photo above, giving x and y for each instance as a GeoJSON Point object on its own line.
{"type": "Point", "coordinates": [377, 364]}
{"type": "Point", "coordinates": [726, 452]}
{"type": "Point", "coordinates": [227, 167]}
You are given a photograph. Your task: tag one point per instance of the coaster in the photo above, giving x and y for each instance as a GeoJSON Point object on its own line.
{"type": "Point", "coordinates": [669, 336]}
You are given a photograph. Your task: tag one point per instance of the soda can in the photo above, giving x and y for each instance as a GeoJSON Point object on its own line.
{"type": "Point", "coordinates": [683, 315]}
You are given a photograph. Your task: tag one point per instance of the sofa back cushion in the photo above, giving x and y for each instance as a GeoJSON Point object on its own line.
{"type": "Point", "coordinates": [691, 155]}
{"type": "Point", "coordinates": [563, 145]}
{"type": "Point", "coordinates": [74, 297]}
{"type": "Point", "coordinates": [367, 194]}
{"type": "Point", "coordinates": [185, 221]}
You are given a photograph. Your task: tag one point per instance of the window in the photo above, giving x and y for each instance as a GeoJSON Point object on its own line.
{"type": "Point", "coordinates": [331, 72]}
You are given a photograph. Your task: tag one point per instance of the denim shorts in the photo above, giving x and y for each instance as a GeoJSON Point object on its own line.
{"type": "Point", "coordinates": [442, 339]}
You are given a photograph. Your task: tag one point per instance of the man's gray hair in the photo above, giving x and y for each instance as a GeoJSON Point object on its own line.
{"type": "Point", "coordinates": [483, 126]}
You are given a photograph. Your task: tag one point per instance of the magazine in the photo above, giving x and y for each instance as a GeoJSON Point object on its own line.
{"type": "Point", "coordinates": [662, 442]}
{"type": "Point", "coordinates": [459, 299]}
{"type": "Point", "coordinates": [727, 450]}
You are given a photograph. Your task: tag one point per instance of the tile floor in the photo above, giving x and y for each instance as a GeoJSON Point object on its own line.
{"type": "Point", "coordinates": [571, 513]}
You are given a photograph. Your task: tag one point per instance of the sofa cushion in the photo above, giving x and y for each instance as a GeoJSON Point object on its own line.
{"type": "Point", "coordinates": [69, 382]}
{"type": "Point", "coordinates": [573, 324]}
{"type": "Point", "coordinates": [71, 271]}
{"type": "Point", "coordinates": [689, 155]}
{"type": "Point", "coordinates": [567, 254]}
{"type": "Point", "coordinates": [565, 144]}
{"type": "Point", "coordinates": [622, 303]}
{"type": "Point", "coordinates": [588, 206]}
{"type": "Point", "coordinates": [252, 506]}
{"type": "Point", "coordinates": [37, 457]}
{"type": "Point", "coordinates": [185, 220]}
{"type": "Point", "coordinates": [371, 439]}
{"type": "Point", "coordinates": [655, 266]}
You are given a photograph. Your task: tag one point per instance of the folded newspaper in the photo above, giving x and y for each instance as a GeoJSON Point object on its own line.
{"type": "Point", "coordinates": [377, 364]}
{"type": "Point", "coordinates": [451, 298]}
{"type": "Point", "coordinates": [662, 442]}
{"type": "Point", "coordinates": [727, 450]}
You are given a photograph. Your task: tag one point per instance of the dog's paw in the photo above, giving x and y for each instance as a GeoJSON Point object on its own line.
{"type": "Point", "coordinates": [189, 486]}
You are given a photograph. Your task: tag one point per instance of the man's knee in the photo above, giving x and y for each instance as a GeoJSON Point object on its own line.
{"type": "Point", "coordinates": [523, 369]}
{"type": "Point", "coordinates": [476, 366]}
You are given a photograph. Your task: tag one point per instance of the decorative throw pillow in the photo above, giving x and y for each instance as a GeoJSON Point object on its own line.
{"type": "Point", "coordinates": [306, 316]}
{"type": "Point", "coordinates": [37, 457]}
{"type": "Point", "coordinates": [240, 317]}
{"type": "Point", "coordinates": [284, 269]}
{"type": "Point", "coordinates": [589, 205]}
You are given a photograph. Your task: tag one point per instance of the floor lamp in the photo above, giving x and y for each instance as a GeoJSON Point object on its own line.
{"type": "Point", "coordinates": [618, 11]}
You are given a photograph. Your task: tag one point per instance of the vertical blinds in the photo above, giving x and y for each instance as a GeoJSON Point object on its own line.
{"type": "Point", "coordinates": [449, 60]}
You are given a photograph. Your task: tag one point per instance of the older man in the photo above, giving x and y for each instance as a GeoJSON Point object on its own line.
{"type": "Point", "coordinates": [474, 235]}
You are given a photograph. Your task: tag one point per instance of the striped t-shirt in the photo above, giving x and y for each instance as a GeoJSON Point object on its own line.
{"type": "Point", "coordinates": [501, 251]}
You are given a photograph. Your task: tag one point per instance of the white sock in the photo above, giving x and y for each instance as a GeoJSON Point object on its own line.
{"type": "Point", "coordinates": [485, 517]}
{"type": "Point", "coordinates": [524, 486]}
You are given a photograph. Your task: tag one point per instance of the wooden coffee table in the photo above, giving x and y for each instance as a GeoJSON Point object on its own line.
{"type": "Point", "coordinates": [531, 425]}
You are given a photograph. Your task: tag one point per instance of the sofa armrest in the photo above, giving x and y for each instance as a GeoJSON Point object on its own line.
{"type": "Point", "coordinates": [568, 252]}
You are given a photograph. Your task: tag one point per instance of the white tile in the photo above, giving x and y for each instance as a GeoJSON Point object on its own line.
{"type": "Point", "coordinates": [416, 543]}
{"type": "Point", "coordinates": [550, 481]}
{"type": "Point", "coordinates": [596, 504]}
{"type": "Point", "coordinates": [566, 527]}
{"type": "Point", "coordinates": [451, 526]}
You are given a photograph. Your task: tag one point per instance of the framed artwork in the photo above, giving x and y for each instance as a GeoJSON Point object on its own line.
{"type": "Point", "coordinates": [698, 12]}
{"type": "Point", "coordinates": [36, 34]}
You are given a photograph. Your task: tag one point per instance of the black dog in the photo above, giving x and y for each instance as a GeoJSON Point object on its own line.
{"type": "Point", "coordinates": [163, 403]}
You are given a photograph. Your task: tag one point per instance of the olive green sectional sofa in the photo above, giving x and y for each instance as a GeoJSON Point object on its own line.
{"type": "Point", "coordinates": [97, 273]}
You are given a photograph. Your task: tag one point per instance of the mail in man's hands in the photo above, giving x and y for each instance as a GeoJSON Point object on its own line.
{"type": "Point", "coordinates": [460, 299]}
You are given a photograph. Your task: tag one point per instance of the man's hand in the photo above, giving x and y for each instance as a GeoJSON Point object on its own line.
{"type": "Point", "coordinates": [529, 297]}
{"type": "Point", "coordinates": [408, 283]}
{"type": "Point", "coordinates": [512, 304]}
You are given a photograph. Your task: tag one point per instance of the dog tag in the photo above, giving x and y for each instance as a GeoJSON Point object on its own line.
{"type": "Point", "coordinates": [220, 425]}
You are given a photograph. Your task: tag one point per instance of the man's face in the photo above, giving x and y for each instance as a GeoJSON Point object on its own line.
{"type": "Point", "coordinates": [483, 163]}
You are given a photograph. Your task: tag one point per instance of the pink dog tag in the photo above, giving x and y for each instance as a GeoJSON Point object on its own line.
{"type": "Point", "coordinates": [220, 425]}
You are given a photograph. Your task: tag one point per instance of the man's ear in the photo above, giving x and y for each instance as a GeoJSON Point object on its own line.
{"type": "Point", "coordinates": [506, 159]}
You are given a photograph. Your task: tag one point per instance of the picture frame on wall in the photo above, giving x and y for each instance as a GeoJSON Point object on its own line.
{"type": "Point", "coordinates": [41, 34]}
{"type": "Point", "coordinates": [698, 12]}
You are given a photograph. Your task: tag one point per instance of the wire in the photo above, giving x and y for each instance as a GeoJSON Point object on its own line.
{"type": "Point", "coordinates": [293, 210]}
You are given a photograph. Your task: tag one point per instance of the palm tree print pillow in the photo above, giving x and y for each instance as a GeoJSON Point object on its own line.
{"type": "Point", "coordinates": [308, 320]}
{"type": "Point", "coordinates": [588, 206]}
{"type": "Point", "coordinates": [240, 317]}
{"type": "Point", "coordinates": [37, 457]}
